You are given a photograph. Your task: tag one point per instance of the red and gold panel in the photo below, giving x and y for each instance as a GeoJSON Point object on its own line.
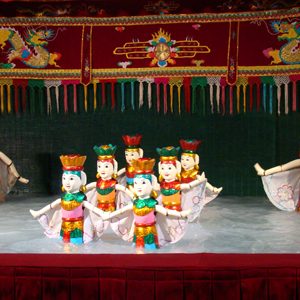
{"type": "Point", "coordinates": [228, 45]}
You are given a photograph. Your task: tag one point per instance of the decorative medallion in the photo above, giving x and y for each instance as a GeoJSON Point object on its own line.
{"type": "Point", "coordinates": [162, 50]}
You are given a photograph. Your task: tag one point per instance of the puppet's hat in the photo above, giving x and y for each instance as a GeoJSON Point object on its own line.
{"type": "Point", "coordinates": [72, 162]}
{"type": "Point", "coordinates": [105, 151]}
{"type": "Point", "coordinates": [189, 146]}
{"type": "Point", "coordinates": [132, 141]}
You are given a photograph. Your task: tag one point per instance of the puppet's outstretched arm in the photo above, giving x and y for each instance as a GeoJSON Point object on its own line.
{"type": "Point", "coordinates": [170, 212]}
{"type": "Point", "coordinates": [38, 213]}
{"type": "Point", "coordinates": [285, 167]}
{"type": "Point", "coordinates": [109, 215]}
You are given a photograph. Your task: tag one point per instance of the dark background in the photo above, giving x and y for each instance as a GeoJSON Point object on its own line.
{"type": "Point", "coordinates": [231, 144]}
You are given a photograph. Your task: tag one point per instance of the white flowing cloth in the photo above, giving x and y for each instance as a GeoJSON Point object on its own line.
{"type": "Point", "coordinates": [52, 220]}
{"type": "Point", "coordinates": [195, 199]}
{"type": "Point", "coordinates": [169, 229]}
{"type": "Point", "coordinates": [210, 195]}
{"type": "Point", "coordinates": [283, 189]}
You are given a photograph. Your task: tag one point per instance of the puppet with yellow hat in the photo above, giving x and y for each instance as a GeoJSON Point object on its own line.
{"type": "Point", "coordinates": [66, 217]}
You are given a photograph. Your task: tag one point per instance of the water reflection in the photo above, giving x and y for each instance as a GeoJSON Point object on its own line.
{"type": "Point", "coordinates": [227, 225]}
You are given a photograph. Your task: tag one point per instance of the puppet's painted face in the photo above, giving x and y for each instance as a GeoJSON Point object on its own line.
{"type": "Point", "coordinates": [168, 171]}
{"type": "Point", "coordinates": [131, 155]}
{"type": "Point", "coordinates": [105, 169]}
{"type": "Point", "coordinates": [71, 182]}
{"type": "Point", "coordinates": [142, 186]}
{"type": "Point", "coordinates": [187, 162]}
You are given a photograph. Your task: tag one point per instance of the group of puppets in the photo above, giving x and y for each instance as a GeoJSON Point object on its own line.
{"type": "Point", "coordinates": [139, 208]}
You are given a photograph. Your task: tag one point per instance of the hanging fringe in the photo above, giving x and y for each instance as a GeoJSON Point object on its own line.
{"type": "Point", "coordinates": [203, 95]}
{"type": "Point", "coordinates": [55, 84]}
{"type": "Point", "coordinates": [214, 81]}
{"type": "Point", "coordinates": [187, 93]}
{"type": "Point", "coordinates": [164, 81]}
{"type": "Point", "coordinates": [94, 95]}
{"type": "Point", "coordinates": [294, 79]}
{"type": "Point", "coordinates": [223, 86]}
{"type": "Point", "coordinates": [5, 85]}
{"type": "Point", "coordinates": [85, 90]}
{"type": "Point", "coordinates": [36, 99]}
{"type": "Point", "coordinates": [105, 92]}
{"type": "Point", "coordinates": [279, 81]}
{"type": "Point", "coordinates": [202, 82]}
{"type": "Point", "coordinates": [241, 83]}
{"type": "Point", "coordinates": [122, 82]}
{"type": "Point", "coordinates": [149, 82]}
{"type": "Point", "coordinates": [254, 81]}
{"type": "Point", "coordinates": [20, 95]}
{"type": "Point", "coordinates": [230, 100]}
{"type": "Point", "coordinates": [178, 82]}
{"type": "Point", "coordinates": [73, 84]}
{"type": "Point", "coordinates": [141, 93]}
{"type": "Point", "coordinates": [132, 94]}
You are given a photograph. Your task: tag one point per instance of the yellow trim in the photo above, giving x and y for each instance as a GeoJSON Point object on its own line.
{"type": "Point", "coordinates": [91, 56]}
{"type": "Point", "coordinates": [245, 96]}
{"type": "Point", "coordinates": [70, 226]}
{"type": "Point", "coordinates": [152, 19]}
{"type": "Point", "coordinates": [166, 158]}
{"type": "Point", "coordinates": [103, 157]}
{"type": "Point", "coordinates": [188, 154]}
{"type": "Point", "coordinates": [132, 149]}
{"type": "Point", "coordinates": [85, 97]}
{"type": "Point", "coordinates": [8, 99]}
{"type": "Point", "coordinates": [98, 74]}
{"type": "Point", "coordinates": [142, 231]}
{"type": "Point", "coordinates": [142, 211]}
{"type": "Point", "coordinates": [81, 51]}
{"type": "Point", "coordinates": [70, 205]}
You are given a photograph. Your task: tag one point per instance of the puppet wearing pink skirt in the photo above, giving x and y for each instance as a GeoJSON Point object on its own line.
{"type": "Point", "coordinates": [68, 217]}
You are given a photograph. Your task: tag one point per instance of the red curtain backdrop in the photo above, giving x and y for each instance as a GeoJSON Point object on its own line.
{"type": "Point", "coordinates": [150, 276]}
